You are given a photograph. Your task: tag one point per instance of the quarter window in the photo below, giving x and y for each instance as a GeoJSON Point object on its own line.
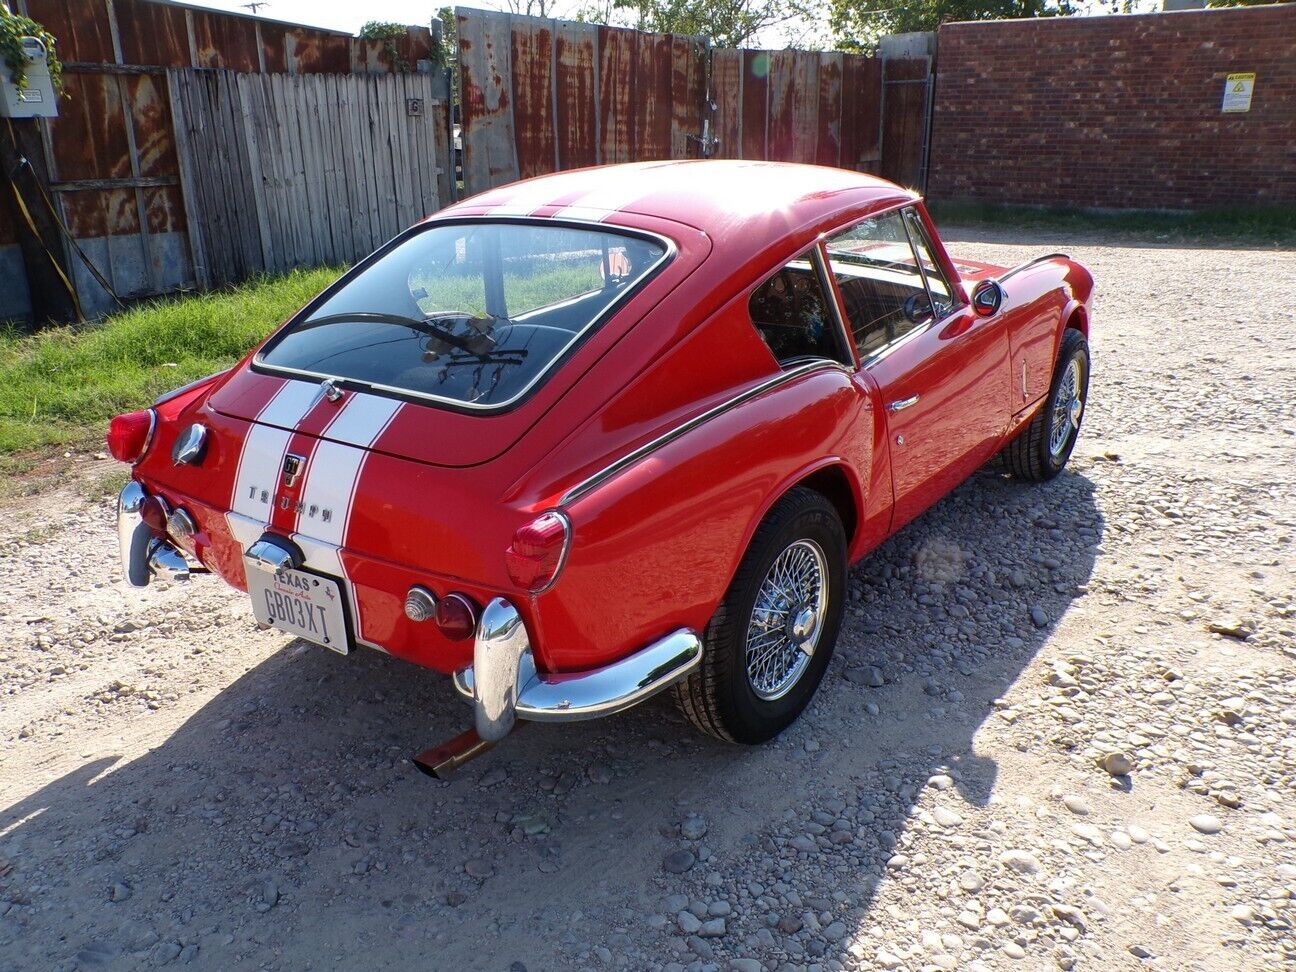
{"type": "Point", "coordinates": [791, 313]}
{"type": "Point", "coordinates": [882, 287]}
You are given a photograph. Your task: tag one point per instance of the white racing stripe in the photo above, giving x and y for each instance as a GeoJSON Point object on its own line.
{"type": "Point", "coordinates": [332, 477]}
{"type": "Point", "coordinates": [599, 204]}
{"type": "Point", "coordinates": [526, 201]}
{"type": "Point", "coordinates": [261, 458]}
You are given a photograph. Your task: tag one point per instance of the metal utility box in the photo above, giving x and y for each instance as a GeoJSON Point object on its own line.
{"type": "Point", "coordinates": [37, 100]}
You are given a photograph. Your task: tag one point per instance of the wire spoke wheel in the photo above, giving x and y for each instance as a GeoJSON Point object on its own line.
{"type": "Point", "coordinates": [787, 619]}
{"type": "Point", "coordinates": [1068, 406]}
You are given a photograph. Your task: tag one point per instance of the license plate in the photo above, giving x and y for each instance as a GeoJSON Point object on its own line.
{"type": "Point", "coordinates": [302, 604]}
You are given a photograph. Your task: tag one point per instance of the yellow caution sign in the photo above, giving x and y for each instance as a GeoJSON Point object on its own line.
{"type": "Point", "coordinates": [1237, 92]}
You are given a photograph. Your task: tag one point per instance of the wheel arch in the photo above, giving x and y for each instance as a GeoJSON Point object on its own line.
{"type": "Point", "coordinates": [834, 479]}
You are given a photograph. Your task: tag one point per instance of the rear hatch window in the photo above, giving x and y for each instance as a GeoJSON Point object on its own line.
{"type": "Point", "coordinates": [472, 314]}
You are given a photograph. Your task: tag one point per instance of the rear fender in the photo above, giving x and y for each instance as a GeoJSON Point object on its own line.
{"type": "Point", "coordinates": [656, 544]}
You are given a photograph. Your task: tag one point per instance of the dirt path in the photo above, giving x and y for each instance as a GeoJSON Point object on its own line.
{"type": "Point", "coordinates": [177, 787]}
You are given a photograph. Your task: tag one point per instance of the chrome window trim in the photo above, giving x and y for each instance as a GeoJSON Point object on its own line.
{"type": "Point", "coordinates": [632, 457]}
{"type": "Point", "coordinates": [670, 250]}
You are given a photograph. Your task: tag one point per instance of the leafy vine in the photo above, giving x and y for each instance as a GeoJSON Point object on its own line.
{"type": "Point", "coordinates": [13, 28]}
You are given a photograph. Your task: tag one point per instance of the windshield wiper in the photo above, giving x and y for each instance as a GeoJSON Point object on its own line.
{"type": "Point", "coordinates": [478, 344]}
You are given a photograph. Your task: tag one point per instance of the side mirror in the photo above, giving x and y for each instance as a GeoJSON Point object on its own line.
{"type": "Point", "coordinates": [918, 308]}
{"type": "Point", "coordinates": [987, 298]}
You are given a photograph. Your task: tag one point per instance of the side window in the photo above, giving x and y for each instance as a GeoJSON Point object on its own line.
{"type": "Point", "coordinates": [790, 312]}
{"type": "Point", "coordinates": [941, 291]}
{"type": "Point", "coordinates": [882, 288]}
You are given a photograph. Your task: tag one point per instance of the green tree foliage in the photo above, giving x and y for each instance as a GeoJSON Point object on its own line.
{"type": "Point", "coordinates": [857, 24]}
{"type": "Point", "coordinates": [729, 23]}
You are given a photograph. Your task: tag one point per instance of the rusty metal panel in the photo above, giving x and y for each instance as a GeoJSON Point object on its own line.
{"type": "Point", "coordinates": [89, 136]}
{"type": "Point", "coordinates": [687, 95]}
{"type": "Point", "coordinates": [653, 77]}
{"type": "Point", "coordinates": [152, 33]}
{"type": "Point", "coordinates": [618, 57]}
{"type": "Point", "coordinates": [828, 143]}
{"type": "Point", "coordinates": [150, 110]}
{"type": "Point", "coordinates": [533, 97]}
{"type": "Point", "coordinates": [755, 104]}
{"type": "Point", "coordinates": [781, 141]}
{"type": "Point", "coordinates": [805, 106]}
{"type": "Point", "coordinates": [222, 41]}
{"type": "Point", "coordinates": [99, 212]}
{"type": "Point", "coordinates": [164, 207]}
{"type": "Point", "coordinates": [304, 50]}
{"type": "Point", "coordinates": [81, 26]}
{"type": "Point", "coordinates": [861, 115]}
{"type": "Point", "coordinates": [726, 92]}
{"type": "Point", "coordinates": [485, 55]}
{"type": "Point", "coordinates": [576, 106]}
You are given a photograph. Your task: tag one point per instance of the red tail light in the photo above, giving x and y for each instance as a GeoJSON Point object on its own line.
{"type": "Point", "coordinates": [153, 511]}
{"type": "Point", "coordinates": [129, 435]}
{"type": "Point", "coordinates": [538, 550]}
{"type": "Point", "coordinates": [456, 616]}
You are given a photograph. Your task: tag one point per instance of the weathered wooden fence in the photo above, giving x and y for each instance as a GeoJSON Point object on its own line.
{"type": "Point", "coordinates": [108, 161]}
{"type": "Point", "coordinates": [280, 171]}
{"type": "Point", "coordinates": [540, 95]}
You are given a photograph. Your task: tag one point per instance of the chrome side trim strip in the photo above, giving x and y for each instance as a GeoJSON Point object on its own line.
{"type": "Point", "coordinates": [630, 458]}
{"type": "Point", "coordinates": [504, 686]}
{"type": "Point", "coordinates": [1030, 263]}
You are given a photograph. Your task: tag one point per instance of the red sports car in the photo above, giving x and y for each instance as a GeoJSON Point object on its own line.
{"type": "Point", "coordinates": [584, 438]}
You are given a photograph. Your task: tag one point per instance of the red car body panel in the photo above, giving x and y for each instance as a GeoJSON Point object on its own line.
{"type": "Point", "coordinates": [397, 492]}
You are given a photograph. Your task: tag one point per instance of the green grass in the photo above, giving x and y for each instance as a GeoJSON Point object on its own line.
{"type": "Point", "coordinates": [1272, 225]}
{"type": "Point", "coordinates": [63, 385]}
{"type": "Point", "coordinates": [523, 291]}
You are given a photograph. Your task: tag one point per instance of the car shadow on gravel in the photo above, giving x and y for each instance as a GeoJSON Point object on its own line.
{"type": "Point", "coordinates": [284, 817]}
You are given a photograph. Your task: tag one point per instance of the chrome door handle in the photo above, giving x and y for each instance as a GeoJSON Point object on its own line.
{"type": "Point", "coordinates": [902, 404]}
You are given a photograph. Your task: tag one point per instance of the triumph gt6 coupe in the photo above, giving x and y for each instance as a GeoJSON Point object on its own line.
{"type": "Point", "coordinates": [584, 438]}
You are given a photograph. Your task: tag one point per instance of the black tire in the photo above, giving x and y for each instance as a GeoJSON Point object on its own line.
{"type": "Point", "coordinates": [1030, 456]}
{"type": "Point", "coordinates": [719, 697]}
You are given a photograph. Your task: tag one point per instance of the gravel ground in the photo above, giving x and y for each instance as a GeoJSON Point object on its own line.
{"type": "Point", "coordinates": [1059, 730]}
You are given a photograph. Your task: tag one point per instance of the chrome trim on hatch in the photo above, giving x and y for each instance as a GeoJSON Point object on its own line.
{"type": "Point", "coordinates": [630, 458]}
{"type": "Point", "coordinates": [1030, 263]}
{"type": "Point", "coordinates": [504, 686]}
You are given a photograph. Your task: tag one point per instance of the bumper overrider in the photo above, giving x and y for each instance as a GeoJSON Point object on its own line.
{"type": "Point", "coordinates": [502, 682]}
{"type": "Point", "coordinates": [144, 555]}
{"type": "Point", "coordinates": [504, 686]}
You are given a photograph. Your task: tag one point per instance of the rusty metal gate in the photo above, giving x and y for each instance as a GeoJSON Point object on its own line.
{"type": "Point", "coordinates": [540, 95]}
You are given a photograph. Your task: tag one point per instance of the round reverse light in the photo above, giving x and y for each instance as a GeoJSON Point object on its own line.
{"type": "Point", "coordinates": [181, 525]}
{"type": "Point", "coordinates": [456, 616]}
{"type": "Point", "coordinates": [420, 604]}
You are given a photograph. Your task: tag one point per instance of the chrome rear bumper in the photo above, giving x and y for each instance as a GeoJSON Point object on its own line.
{"type": "Point", "coordinates": [503, 683]}
{"type": "Point", "coordinates": [143, 555]}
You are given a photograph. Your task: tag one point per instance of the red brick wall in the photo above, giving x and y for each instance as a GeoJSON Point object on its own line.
{"type": "Point", "coordinates": [1120, 112]}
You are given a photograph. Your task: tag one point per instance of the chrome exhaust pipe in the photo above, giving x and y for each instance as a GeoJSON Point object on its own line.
{"type": "Point", "coordinates": [440, 761]}
{"type": "Point", "coordinates": [166, 560]}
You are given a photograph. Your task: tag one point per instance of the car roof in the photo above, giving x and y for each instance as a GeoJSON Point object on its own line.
{"type": "Point", "coordinates": [721, 197]}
